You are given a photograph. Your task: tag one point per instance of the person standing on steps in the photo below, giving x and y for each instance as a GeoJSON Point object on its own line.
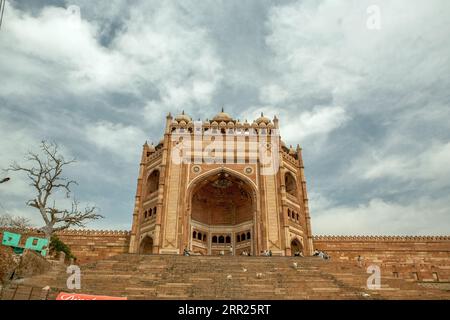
{"type": "Point", "coordinates": [359, 261]}
{"type": "Point", "coordinates": [231, 250]}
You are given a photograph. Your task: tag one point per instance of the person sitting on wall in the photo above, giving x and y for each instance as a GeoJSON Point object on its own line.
{"type": "Point", "coordinates": [186, 252]}
{"type": "Point", "coordinates": [316, 253]}
{"type": "Point", "coordinates": [221, 253]}
{"type": "Point", "coordinates": [297, 253]}
{"type": "Point", "coordinates": [270, 253]}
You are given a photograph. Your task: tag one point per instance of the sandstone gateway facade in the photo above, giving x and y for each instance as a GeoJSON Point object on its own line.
{"type": "Point", "coordinates": [241, 204]}
{"type": "Point", "coordinates": [221, 186]}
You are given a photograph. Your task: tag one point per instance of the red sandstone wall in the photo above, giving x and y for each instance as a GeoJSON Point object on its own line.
{"type": "Point", "coordinates": [91, 245]}
{"type": "Point", "coordinates": [428, 257]}
{"type": "Point", "coordinates": [88, 245]}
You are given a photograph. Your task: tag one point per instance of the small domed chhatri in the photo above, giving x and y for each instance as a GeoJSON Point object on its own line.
{"type": "Point", "coordinates": [262, 119]}
{"type": "Point", "coordinates": [222, 116]}
{"type": "Point", "coordinates": [183, 117]}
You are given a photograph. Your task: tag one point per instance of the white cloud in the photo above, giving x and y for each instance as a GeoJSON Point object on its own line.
{"type": "Point", "coordinates": [272, 94]}
{"type": "Point", "coordinates": [325, 48]}
{"type": "Point", "coordinates": [319, 121]}
{"type": "Point", "coordinates": [158, 48]}
{"type": "Point", "coordinates": [422, 216]}
{"type": "Point", "coordinates": [431, 164]}
{"type": "Point", "coordinates": [56, 50]}
{"type": "Point", "coordinates": [123, 141]}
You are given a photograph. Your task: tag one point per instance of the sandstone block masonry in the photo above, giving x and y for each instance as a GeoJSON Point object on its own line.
{"type": "Point", "coordinates": [87, 245]}
{"type": "Point", "coordinates": [415, 258]}
{"type": "Point", "coordinates": [423, 259]}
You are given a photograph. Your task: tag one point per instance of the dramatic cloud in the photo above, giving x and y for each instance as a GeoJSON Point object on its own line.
{"type": "Point", "coordinates": [370, 108]}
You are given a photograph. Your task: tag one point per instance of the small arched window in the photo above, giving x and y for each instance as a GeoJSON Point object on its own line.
{"type": "Point", "coordinates": [238, 238]}
{"type": "Point", "coordinates": [289, 213]}
{"type": "Point", "coordinates": [204, 237]}
{"type": "Point", "coordinates": [221, 239]}
{"type": "Point", "coordinates": [248, 235]}
{"type": "Point", "coordinates": [291, 185]}
{"type": "Point", "coordinates": [243, 237]}
{"type": "Point", "coordinates": [214, 239]}
{"type": "Point", "coordinates": [199, 236]}
{"type": "Point", "coordinates": [153, 182]}
{"type": "Point", "coordinates": [297, 216]}
{"type": "Point", "coordinates": [194, 234]}
{"type": "Point", "coordinates": [154, 211]}
{"type": "Point", "coordinates": [228, 239]}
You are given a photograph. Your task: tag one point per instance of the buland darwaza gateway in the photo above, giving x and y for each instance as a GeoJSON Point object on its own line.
{"type": "Point", "coordinates": [225, 187]}
{"type": "Point", "coordinates": [221, 185]}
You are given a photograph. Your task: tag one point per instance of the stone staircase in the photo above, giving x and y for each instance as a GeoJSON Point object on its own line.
{"type": "Point", "coordinates": [225, 277]}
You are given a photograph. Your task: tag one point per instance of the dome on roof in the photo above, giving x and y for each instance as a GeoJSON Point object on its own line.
{"type": "Point", "coordinates": [222, 116]}
{"type": "Point", "coordinates": [183, 117]}
{"type": "Point", "coordinates": [262, 119]}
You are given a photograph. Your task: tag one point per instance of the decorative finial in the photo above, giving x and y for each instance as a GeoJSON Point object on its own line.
{"type": "Point", "coordinates": [262, 114]}
{"type": "Point", "coordinates": [222, 109]}
{"type": "Point", "coordinates": [182, 112]}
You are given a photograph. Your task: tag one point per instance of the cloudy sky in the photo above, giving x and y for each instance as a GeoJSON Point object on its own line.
{"type": "Point", "coordinates": [370, 107]}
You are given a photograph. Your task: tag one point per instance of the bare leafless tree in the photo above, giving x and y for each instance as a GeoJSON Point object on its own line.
{"type": "Point", "coordinates": [45, 174]}
{"type": "Point", "coordinates": [17, 222]}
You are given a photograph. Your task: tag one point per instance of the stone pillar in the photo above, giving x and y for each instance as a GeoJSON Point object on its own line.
{"type": "Point", "coordinates": [309, 241]}
{"type": "Point", "coordinates": [134, 237]}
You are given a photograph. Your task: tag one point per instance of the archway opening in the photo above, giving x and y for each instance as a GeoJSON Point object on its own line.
{"type": "Point", "coordinates": [223, 206]}
{"type": "Point", "coordinates": [296, 247]}
{"type": "Point", "coordinates": [291, 185]}
{"type": "Point", "coordinates": [146, 245]}
{"type": "Point", "coordinates": [153, 182]}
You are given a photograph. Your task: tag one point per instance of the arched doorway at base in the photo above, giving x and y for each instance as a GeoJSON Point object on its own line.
{"type": "Point", "coordinates": [296, 247]}
{"type": "Point", "coordinates": [146, 246]}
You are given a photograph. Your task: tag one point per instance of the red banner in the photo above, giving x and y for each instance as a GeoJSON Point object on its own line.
{"type": "Point", "coordinates": [76, 296]}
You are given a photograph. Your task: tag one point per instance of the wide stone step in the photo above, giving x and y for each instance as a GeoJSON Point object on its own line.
{"type": "Point", "coordinates": [200, 277]}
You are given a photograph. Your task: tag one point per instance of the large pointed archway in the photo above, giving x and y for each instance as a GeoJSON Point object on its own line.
{"type": "Point", "coordinates": [146, 246]}
{"type": "Point", "coordinates": [223, 214]}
